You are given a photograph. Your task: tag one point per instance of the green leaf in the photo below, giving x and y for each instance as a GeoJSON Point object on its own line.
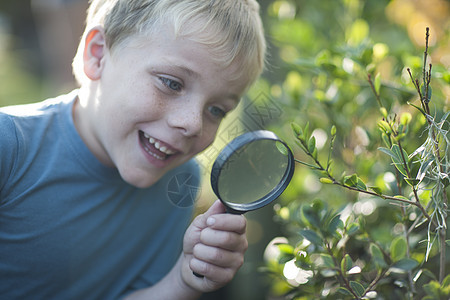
{"type": "Point", "coordinates": [398, 248]}
{"type": "Point", "coordinates": [432, 289]}
{"type": "Point", "coordinates": [351, 180]}
{"type": "Point", "coordinates": [405, 264]}
{"type": "Point", "coordinates": [326, 180]}
{"type": "Point", "coordinates": [376, 189]}
{"type": "Point", "coordinates": [286, 248]}
{"type": "Point", "coordinates": [344, 291]}
{"type": "Point", "coordinates": [446, 281]}
{"type": "Point", "coordinates": [306, 131]}
{"type": "Point", "coordinates": [384, 126]}
{"type": "Point", "coordinates": [377, 256]}
{"type": "Point", "coordinates": [327, 260]}
{"type": "Point", "coordinates": [334, 224]}
{"type": "Point", "coordinates": [284, 258]}
{"type": "Point", "coordinates": [361, 185]}
{"type": "Point", "coordinates": [418, 108]}
{"type": "Point", "coordinates": [355, 181]}
{"type": "Point", "coordinates": [397, 158]}
{"type": "Point", "coordinates": [352, 228]}
{"type": "Point", "coordinates": [333, 130]}
{"type": "Point", "coordinates": [310, 216]}
{"type": "Point", "coordinates": [311, 236]}
{"type": "Point", "coordinates": [386, 139]}
{"type": "Point", "coordinates": [377, 83]}
{"type": "Point", "coordinates": [282, 148]}
{"type": "Point", "coordinates": [346, 263]}
{"type": "Point", "coordinates": [358, 288]}
{"type": "Point", "coordinates": [312, 144]}
{"type": "Point", "coordinates": [412, 181]}
{"type": "Point", "coordinates": [386, 151]}
{"type": "Point", "coordinates": [401, 197]}
{"type": "Point", "coordinates": [297, 129]}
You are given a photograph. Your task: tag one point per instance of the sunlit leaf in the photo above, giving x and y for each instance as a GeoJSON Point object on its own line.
{"type": "Point", "coordinates": [285, 248]}
{"type": "Point", "coordinates": [351, 180]}
{"type": "Point", "coordinates": [282, 148]}
{"type": "Point", "coordinates": [398, 248]}
{"type": "Point", "coordinates": [297, 129]}
{"type": "Point", "coordinates": [377, 83]}
{"type": "Point", "coordinates": [326, 180]}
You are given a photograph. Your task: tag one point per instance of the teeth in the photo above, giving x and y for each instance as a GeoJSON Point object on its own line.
{"type": "Point", "coordinates": [158, 145]}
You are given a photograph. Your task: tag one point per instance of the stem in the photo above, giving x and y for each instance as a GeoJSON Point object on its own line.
{"type": "Point", "coordinates": [338, 268]}
{"type": "Point", "coordinates": [426, 82]}
{"type": "Point", "coordinates": [377, 96]}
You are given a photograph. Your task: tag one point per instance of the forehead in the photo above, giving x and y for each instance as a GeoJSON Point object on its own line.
{"type": "Point", "coordinates": [179, 49]}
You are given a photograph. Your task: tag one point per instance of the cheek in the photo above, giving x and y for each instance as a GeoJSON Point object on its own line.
{"type": "Point", "coordinates": [208, 137]}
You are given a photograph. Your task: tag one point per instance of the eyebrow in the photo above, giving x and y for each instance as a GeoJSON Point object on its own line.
{"type": "Point", "coordinates": [186, 70]}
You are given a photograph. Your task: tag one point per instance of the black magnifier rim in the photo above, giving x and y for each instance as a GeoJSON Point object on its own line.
{"type": "Point", "coordinates": [230, 149]}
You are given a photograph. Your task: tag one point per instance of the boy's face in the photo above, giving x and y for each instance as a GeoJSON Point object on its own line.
{"type": "Point", "coordinates": [156, 104]}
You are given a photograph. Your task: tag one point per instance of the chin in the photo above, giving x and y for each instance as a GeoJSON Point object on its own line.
{"type": "Point", "coordinates": [140, 179]}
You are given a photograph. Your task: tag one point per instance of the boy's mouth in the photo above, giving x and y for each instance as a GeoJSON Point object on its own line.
{"type": "Point", "coordinates": [154, 147]}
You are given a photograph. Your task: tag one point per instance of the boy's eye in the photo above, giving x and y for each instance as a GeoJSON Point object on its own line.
{"type": "Point", "coordinates": [217, 112]}
{"type": "Point", "coordinates": [171, 84]}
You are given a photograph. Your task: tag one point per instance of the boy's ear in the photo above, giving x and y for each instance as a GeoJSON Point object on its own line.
{"type": "Point", "coordinates": [94, 53]}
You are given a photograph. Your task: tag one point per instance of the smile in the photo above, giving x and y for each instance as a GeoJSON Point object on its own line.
{"type": "Point", "coordinates": [154, 147]}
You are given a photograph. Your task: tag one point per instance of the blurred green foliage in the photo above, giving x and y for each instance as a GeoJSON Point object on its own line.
{"type": "Point", "coordinates": [320, 55]}
{"type": "Point", "coordinates": [340, 241]}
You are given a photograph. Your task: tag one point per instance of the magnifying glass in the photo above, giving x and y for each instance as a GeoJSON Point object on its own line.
{"type": "Point", "coordinates": [251, 171]}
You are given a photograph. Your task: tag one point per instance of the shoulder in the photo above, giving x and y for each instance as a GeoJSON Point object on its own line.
{"type": "Point", "coordinates": [38, 109]}
{"type": "Point", "coordinates": [28, 119]}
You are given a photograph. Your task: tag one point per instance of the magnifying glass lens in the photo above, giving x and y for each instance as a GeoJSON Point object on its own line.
{"type": "Point", "coordinates": [252, 172]}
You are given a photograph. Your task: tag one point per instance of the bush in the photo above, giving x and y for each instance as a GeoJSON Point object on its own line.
{"type": "Point", "coordinates": [379, 231]}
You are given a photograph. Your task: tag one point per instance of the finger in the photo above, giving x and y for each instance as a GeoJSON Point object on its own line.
{"type": "Point", "coordinates": [228, 222]}
{"type": "Point", "coordinates": [216, 208]}
{"type": "Point", "coordinates": [212, 272]}
{"type": "Point", "coordinates": [224, 239]}
{"type": "Point", "coordinates": [219, 257]}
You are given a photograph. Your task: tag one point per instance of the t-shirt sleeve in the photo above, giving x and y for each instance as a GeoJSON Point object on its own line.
{"type": "Point", "coordinates": [8, 150]}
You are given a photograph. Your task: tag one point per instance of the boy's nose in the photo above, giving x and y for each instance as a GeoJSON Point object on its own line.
{"type": "Point", "coordinates": [188, 119]}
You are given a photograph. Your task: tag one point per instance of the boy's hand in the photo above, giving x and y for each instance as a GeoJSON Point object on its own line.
{"type": "Point", "coordinates": [214, 246]}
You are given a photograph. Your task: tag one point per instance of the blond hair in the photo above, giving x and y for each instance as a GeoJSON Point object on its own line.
{"type": "Point", "coordinates": [232, 29]}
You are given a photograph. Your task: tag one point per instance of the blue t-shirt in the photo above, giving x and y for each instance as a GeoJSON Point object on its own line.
{"type": "Point", "coordinates": [70, 227]}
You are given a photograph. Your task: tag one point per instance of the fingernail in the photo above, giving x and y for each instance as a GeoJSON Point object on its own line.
{"type": "Point", "coordinates": [210, 221]}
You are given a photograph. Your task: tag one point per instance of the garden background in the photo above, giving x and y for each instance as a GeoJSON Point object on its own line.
{"type": "Point", "coordinates": [320, 56]}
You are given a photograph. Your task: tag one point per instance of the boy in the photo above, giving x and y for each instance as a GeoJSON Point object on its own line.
{"type": "Point", "coordinates": [84, 212]}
